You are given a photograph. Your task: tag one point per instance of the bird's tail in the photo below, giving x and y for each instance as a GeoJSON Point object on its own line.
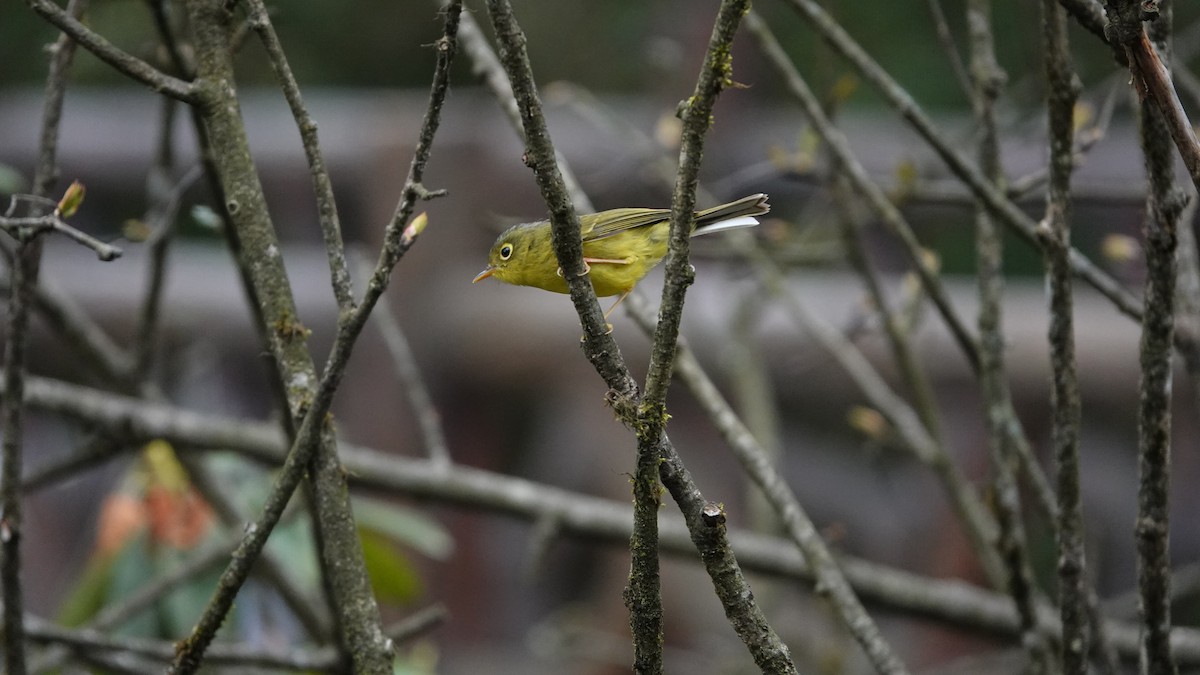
{"type": "Point", "coordinates": [733, 215]}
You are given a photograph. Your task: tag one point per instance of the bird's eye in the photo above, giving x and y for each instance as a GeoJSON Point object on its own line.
{"type": "Point", "coordinates": [506, 251]}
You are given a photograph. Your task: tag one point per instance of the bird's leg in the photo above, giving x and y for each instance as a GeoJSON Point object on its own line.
{"type": "Point", "coordinates": [588, 268]}
{"type": "Point", "coordinates": [614, 307]}
{"type": "Point", "coordinates": [617, 261]}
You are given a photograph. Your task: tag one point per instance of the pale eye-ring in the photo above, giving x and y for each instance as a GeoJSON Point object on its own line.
{"type": "Point", "coordinates": [506, 251]}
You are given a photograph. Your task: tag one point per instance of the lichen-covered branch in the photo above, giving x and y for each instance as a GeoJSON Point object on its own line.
{"type": "Point", "coordinates": [642, 597]}
{"type": "Point", "coordinates": [715, 75]}
{"type": "Point", "coordinates": [601, 350]}
{"type": "Point", "coordinates": [1163, 207]}
{"type": "Point", "coordinates": [988, 78]}
{"type": "Point", "coordinates": [1063, 89]}
{"type": "Point", "coordinates": [598, 344]}
{"type": "Point", "coordinates": [314, 447]}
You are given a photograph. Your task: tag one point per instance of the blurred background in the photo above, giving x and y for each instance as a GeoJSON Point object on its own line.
{"type": "Point", "coordinates": [503, 363]}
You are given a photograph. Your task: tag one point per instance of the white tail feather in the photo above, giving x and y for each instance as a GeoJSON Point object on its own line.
{"type": "Point", "coordinates": [730, 224]}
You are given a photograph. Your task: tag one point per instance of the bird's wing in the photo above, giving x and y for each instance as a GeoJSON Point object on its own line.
{"type": "Point", "coordinates": [619, 220]}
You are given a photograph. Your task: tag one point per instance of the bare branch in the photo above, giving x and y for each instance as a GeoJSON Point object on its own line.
{"type": "Point", "coordinates": [106, 51]}
{"type": "Point", "coordinates": [988, 79]}
{"type": "Point", "coordinates": [327, 213]}
{"type": "Point", "coordinates": [1073, 587]}
{"type": "Point", "coordinates": [908, 109]}
{"type": "Point", "coordinates": [1164, 205]}
{"type": "Point", "coordinates": [31, 227]}
{"type": "Point", "coordinates": [314, 448]}
{"type": "Point", "coordinates": [24, 276]}
{"type": "Point", "coordinates": [956, 603]}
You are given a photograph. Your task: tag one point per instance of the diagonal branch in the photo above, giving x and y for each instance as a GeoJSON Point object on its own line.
{"type": "Point", "coordinates": [1152, 80]}
{"type": "Point", "coordinates": [327, 212]}
{"type": "Point", "coordinates": [706, 532]}
{"type": "Point", "coordinates": [135, 68]}
{"type": "Point", "coordinates": [314, 448]}
{"type": "Point", "coordinates": [1001, 206]}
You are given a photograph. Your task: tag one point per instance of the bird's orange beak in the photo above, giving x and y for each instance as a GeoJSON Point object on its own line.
{"type": "Point", "coordinates": [487, 272]}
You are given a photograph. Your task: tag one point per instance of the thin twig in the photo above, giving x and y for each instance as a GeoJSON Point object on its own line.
{"type": "Point", "coordinates": [161, 222]}
{"type": "Point", "coordinates": [979, 526]}
{"type": "Point", "coordinates": [270, 566]}
{"type": "Point", "coordinates": [82, 334]}
{"type": "Point", "coordinates": [644, 597]}
{"type": "Point", "coordinates": [914, 377]}
{"type": "Point", "coordinates": [327, 214]}
{"type": "Point", "coordinates": [1151, 78]}
{"type": "Point", "coordinates": [879, 202]}
{"type": "Point", "coordinates": [949, 48]}
{"type": "Point", "coordinates": [24, 274]}
{"type": "Point", "coordinates": [983, 189]}
{"type": "Point", "coordinates": [417, 624]}
{"type": "Point", "coordinates": [917, 436]}
{"type": "Point", "coordinates": [145, 596]}
{"type": "Point", "coordinates": [135, 68]}
{"type": "Point", "coordinates": [322, 660]}
{"type": "Point", "coordinates": [29, 227]}
{"type": "Point", "coordinates": [1084, 141]}
{"type": "Point", "coordinates": [831, 583]}
{"type": "Point", "coordinates": [409, 373]}
{"type": "Point", "coordinates": [598, 344]}
{"type": "Point", "coordinates": [970, 174]}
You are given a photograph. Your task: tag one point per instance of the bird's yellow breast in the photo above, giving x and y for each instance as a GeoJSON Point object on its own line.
{"type": "Point", "coordinates": [643, 248]}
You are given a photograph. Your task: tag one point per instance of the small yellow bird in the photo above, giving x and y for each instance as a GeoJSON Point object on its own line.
{"type": "Point", "coordinates": [619, 246]}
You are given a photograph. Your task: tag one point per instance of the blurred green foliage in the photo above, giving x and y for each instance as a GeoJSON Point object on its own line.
{"type": "Point", "coordinates": [622, 46]}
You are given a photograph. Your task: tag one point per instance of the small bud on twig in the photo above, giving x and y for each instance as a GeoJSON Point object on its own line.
{"type": "Point", "coordinates": [414, 229]}
{"type": "Point", "coordinates": [71, 200]}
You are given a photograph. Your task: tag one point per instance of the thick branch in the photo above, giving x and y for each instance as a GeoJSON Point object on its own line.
{"type": "Point", "coordinates": [988, 79]}
{"type": "Point", "coordinates": [953, 602]}
{"type": "Point", "coordinates": [1164, 204]}
{"type": "Point", "coordinates": [315, 449]}
{"type": "Point", "coordinates": [1073, 589]}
